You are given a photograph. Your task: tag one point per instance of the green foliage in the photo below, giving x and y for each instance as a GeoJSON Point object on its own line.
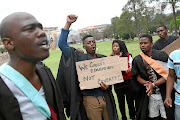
{"type": "Point", "coordinates": [114, 25]}
{"type": "Point", "coordinates": [108, 32]}
{"type": "Point", "coordinates": [136, 8]}
{"type": "Point", "coordinates": [177, 22]}
{"type": "Point", "coordinates": [116, 36]}
{"type": "Point", "coordinates": [123, 26]}
{"type": "Point", "coordinates": [138, 16]}
{"type": "Point", "coordinates": [170, 18]}
{"type": "Point", "coordinates": [152, 28]}
{"type": "Point", "coordinates": [126, 36]}
{"type": "Point", "coordinates": [159, 19]}
{"type": "Point", "coordinates": [172, 24]}
{"type": "Point", "coordinates": [173, 4]}
{"type": "Point", "coordinates": [2, 49]}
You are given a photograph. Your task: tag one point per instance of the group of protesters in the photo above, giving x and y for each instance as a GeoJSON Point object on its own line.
{"type": "Point", "coordinates": [28, 90]}
{"type": "Point", "coordinates": [144, 81]}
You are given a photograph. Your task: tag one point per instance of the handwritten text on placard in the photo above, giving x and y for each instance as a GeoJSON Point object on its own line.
{"type": "Point", "coordinates": [107, 70]}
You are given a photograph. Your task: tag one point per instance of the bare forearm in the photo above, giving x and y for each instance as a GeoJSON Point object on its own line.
{"type": "Point", "coordinates": [141, 80]}
{"type": "Point", "coordinates": [159, 81]}
{"type": "Point", "coordinates": [67, 26]}
{"type": "Point", "coordinates": [169, 85]}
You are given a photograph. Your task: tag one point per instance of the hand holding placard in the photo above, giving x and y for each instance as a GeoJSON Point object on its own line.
{"type": "Point", "coordinates": [108, 70]}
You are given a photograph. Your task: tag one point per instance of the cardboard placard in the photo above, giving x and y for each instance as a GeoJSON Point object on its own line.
{"type": "Point", "coordinates": [4, 57]}
{"type": "Point", "coordinates": [108, 70]}
{"type": "Point", "coordinates": [173, 46]}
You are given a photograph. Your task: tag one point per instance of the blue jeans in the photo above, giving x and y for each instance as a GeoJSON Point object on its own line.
{"type": "Point", "coordinates": [177, 111]}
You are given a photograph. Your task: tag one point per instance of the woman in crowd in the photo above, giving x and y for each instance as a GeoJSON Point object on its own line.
{"type": "Point", "coordinates": [123, 89]}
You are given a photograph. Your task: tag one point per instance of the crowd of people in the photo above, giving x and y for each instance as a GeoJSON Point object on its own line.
{"type": "Point", "coordinates": [28, 90]}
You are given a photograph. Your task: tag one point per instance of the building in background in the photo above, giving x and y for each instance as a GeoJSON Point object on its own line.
{"type": "Point", "coordinates": [97, 31]}
{"type": "Point", "coordinates": [50, 36]}
{"type": "Point", "coordinates": [75, 36]}
{"type": "Point", "coordinates": [99, 28]}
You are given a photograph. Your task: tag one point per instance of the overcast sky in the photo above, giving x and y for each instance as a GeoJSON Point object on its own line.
{"type": "Point", "coordinates": [53, 13]}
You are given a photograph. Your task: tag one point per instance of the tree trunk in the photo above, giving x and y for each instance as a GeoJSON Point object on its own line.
{"type": "Point", "coordinates": [174, 14]}
{"type": "Point", "coordinates": [136, 22]}
{"type": "Point", "coordinates": [147, 26]}
{"type": "Point", "coordinates": [130, 36]}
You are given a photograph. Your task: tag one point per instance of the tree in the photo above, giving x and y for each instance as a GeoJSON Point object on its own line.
{"type": "Point", "coordinates": [173, 5]}
{"type": "Point", "coordinates": [125, 24]}
{"type": "Point", "coordinates": [177, 21]}
{"type": "Point", "coordinates": [160, 19]}
{"type": "Point", "coordinates": [96, 34]}
{"type": "Point", "coordinates": [136, 7]}
{"type": "Point", "coordinates": [107, 32]}
{"type": "Point", "coordinates": [74, 37]}
{"type": "Point", "coordinates": [152, 29]}
{"type": "Point", "coordinates": [148, 14]}
{"type": "Point", "coordinates": [114, 24]}
{"type": "Point", "coordinates": [82, 35]}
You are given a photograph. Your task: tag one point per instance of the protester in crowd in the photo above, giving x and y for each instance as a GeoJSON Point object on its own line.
{"type": "Point", "coordinates": [124, 89]}
{"type": "Point", "coordinates": [164, 39]}
{"type": "Point", "coordinates": [28, 91]}
{"type": "Point", "coordinates": [174, 73]}
{"type": "Point", "coordinates": [98, 102]}
{"type": "Point", "coordinates": [149, 82]}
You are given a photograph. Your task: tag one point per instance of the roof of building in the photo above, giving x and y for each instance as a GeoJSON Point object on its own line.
{"type": "Point", "coordinates": [94, 27]}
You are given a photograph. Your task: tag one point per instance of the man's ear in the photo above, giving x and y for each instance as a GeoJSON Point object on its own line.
{"type": "Point", "coordinates": [8, 43]}
{"type": "Point", "coordinates": [151, 44]}
{"type": "Point", "coordinates": [167, 30]}
{"type": "Point", "coordinates": [83, 46]}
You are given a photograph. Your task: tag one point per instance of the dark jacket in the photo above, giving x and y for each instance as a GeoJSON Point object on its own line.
{"type": "Point", "coordinates": [158, 45]}
{"type": "Point", "coordinates": [142, 100]}
{"type": "Point", "coordinates": [10, 109]}
{"type": "Point", "coordinates": [67, 80]}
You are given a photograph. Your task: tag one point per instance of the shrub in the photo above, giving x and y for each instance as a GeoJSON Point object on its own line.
{"type": "Point", "coordinates": [125, 36]}
{"type": "Point", "coordinates": [2, 49]}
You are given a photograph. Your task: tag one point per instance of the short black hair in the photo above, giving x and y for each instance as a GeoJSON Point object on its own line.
{"type": "Point", "coordinates": [84, 38]}
{"type": "Point", "coordinates": [162, 26]}
{"type": "Point", "coordinates": [148, 36]}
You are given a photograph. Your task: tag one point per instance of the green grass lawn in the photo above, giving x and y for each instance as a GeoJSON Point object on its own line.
{"type": "Point", "coordinates": [103, 48]}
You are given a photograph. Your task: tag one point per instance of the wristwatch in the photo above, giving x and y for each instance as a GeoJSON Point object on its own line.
{"type": "Point", "coordinates": [153, 84]}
